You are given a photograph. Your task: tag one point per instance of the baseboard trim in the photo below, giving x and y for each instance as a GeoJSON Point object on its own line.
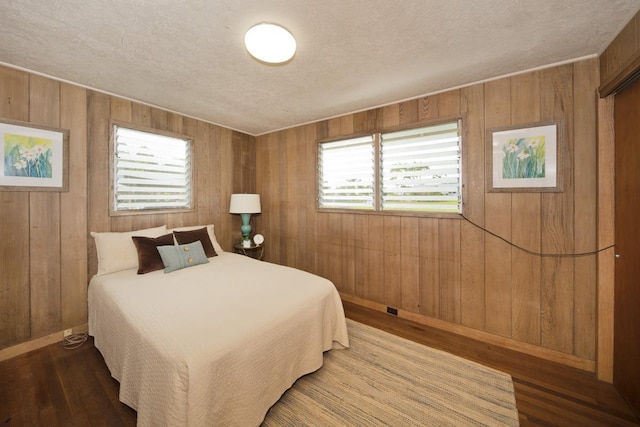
{"type": "Point", "coordinates": [26, 347]}
{"type": "Point", "coordinates": [511, 344]}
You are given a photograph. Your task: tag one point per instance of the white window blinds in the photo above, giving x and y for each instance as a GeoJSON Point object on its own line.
{"type": "Point", "coordinates": [421, 169]}
{"type": "Point", "coordinates": [151, 171]}
{"type": "Point", "coordinates": [346, 174]}
{"type": "Point", "coordinates": [417, 170]}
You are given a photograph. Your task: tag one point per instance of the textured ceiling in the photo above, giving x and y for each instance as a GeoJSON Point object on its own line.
{"type": "Point", "coordinates": [188, 56]}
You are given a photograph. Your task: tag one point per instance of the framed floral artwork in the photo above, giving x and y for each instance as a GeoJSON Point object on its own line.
{"type": "Point", "coordinates": [524, 158]}
{"type": "Point", "coordinates": [35, 158]}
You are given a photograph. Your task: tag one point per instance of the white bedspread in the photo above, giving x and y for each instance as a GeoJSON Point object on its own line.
{"type": "Point", "coordinates": [213, 344]}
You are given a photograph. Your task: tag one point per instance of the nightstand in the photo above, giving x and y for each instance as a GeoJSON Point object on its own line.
{"type": "Point", "coordinates": [254, 251]}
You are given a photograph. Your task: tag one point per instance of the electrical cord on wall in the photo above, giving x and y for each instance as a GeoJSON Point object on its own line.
{"type": "Point", "coordinates": [74, 341]}
{"type": "Point", "coordinates": [539, 254]}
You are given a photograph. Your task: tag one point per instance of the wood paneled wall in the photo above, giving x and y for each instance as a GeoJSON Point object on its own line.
{"type": "Point", "coordinates": [43, 263]}
{"type": "Point", "coordinates": [224, 164]}
{"type": "Point", "coordinates": [439, 269]}
{"type": "Point", "coordinates": [46, 253]}
{"type": "Point", "coordinates": [621, 59]}
{"type": "Point", "coordinates": [446, 270]}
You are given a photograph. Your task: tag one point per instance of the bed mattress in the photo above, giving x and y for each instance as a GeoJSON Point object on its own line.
{"type": "Point", "coordinates": [213, 344]}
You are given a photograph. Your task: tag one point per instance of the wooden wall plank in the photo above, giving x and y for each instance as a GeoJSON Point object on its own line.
{"type": "Point", "coordinates": [15, 322]}
{"type": "Point", "coordinates": [300, 187]}
{"type": "Point", "coordinates": [219, 207]}
{"type": "Point", "coordinates": [121, 110]}
{"type": "Point", "coordinates": [73, 208]}
{"type": "Point", "coordinates": [45, 280]}
{"type": "Point", "coordinates": [291, 204]}
{"type": "Point", "coordinates": [140, 114]}
{"type": "Point", "coordinates": [189, 127]}
{"type": "Point", "coordinates": [333, 240]}
{"type": "Point", "coordinates": [586, 189]}
{"type": "Point", "coordinates": [262, 169]}
{"type": "Point", "coordinates": [312, 134]}
{"type": "Point", "coordinates": [325, 267]}
{"type": "Point", "coordinates": [429, 272]}
{"type": "Point", "coordinates": [348, 254]}
{"type": "Point", "coordinates": [449, 103]}
{"type": "Point", "coordinates": [98, 111]}
{"type": "Point", "coordinates": [44, 220]}
{"type": "Point", "coordinates": [174, 122]}
{"type": "Point", "coordinates": [450, 286]}
{"type": "Point", "coordinates": [360, 254]}
{"type": "Point", "coordinates": [288, 203]}
{"type": "Point", "coordinates": [204, 174]}
{"type": "Point", "coordinates": [274, 205]}
{"type": "Point", "coordinates": [606, 239]}
{"type": "Point", "coordinates": [229, 229]}
{"type": "Point", "coordinates": [283, 203]}
{"type": "Point", "coordinates": [525, 223]}
{"type": "Point", "coordinates": [292, 187]}
{"type": "Point", "coordinates": [391, 117]}
{"type": "Point", "coordinates": [244, 162]}
{"type": "Point", "coordinates": [159, 119]}
{"type": "Point", "coordinates": [410, 264]}
{"type": "Point", "coordinates": [557, 218]}
{"type": "Point", "coordinates": [498, 254]}
{"type": "Point", "coordinates": [14, 89]}
{"type": "Point", "coordinates": [473, 152]}
{"type": "Point", "coordinates": [408, 111]}
{"type": "Point", "coordinates": [428, 108]}
{"type": "Point", "coordinates": [392, 261]}
{"type": "Point", "coordinates": [526, 274]}
{"type": "Point", "coordinates": [375, 254]}
{"type": "Point", "coordinates": [472, 254]}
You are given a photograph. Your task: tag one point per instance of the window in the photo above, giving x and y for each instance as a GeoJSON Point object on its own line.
{"type": "Point", "coordinates": [409, 170]}
{"type": "Point", "coordinates": [347, 174]}
{"type": "Point", "coordinates": [150, 171]}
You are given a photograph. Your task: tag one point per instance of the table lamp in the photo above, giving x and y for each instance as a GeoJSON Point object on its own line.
{"type": "Point", "coordinates": [245, 205]}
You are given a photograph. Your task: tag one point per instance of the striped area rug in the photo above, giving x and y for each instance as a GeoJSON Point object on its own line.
{"type": "Point", "coordinates": [385, 380]}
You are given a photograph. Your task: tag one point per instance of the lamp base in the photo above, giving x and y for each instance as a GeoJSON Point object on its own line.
{"type": "Point", "coordinates": [246, 243]}
{"type": "Point", "coordinates": [246, 229]}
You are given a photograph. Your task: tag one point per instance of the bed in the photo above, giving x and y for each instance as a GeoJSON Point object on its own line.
{"type": "Point", "coordinates": [216, 343]}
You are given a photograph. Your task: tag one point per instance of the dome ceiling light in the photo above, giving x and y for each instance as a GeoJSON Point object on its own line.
{"type": "Point", "coordinates": [270, 43]}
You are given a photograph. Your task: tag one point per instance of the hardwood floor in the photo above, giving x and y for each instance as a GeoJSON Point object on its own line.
{"type": "Point", "coordinates": [547, 394]}
{"type": "Point", "coordinates": [57, 387]}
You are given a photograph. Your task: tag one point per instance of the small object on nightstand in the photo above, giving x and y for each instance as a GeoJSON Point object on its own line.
{"type": "Point", "coordinates": [254, 251]}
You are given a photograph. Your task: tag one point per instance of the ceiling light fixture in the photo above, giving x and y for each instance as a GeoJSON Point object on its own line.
{"type": "Point", "coordinates": [270, 43]}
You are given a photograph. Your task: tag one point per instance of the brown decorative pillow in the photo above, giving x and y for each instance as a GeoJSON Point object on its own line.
{"type": "Point", "coordinates": [186, 237]}
{"type": "Point", "coordinates": [148, 256]}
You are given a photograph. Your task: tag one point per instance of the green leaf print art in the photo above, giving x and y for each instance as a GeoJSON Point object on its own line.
{"type": "Point", "coordinates": [27, 156]}
{"type": "Point", "coordinates": [524, 158]}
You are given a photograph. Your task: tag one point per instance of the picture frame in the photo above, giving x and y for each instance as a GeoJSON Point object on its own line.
{"type": "Point", "coordinates": [34, 158]}
{"type": "Point", "coordinates": [525, 158]}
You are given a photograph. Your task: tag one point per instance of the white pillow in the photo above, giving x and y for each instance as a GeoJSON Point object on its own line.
{"type": "Point", "coordinates": [210, 231]}
{"type": "Point", "coordinates": [116, 251]}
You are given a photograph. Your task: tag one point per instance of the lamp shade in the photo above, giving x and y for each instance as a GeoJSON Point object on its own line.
{"type": "Point", "coordinates": [245, 204]}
